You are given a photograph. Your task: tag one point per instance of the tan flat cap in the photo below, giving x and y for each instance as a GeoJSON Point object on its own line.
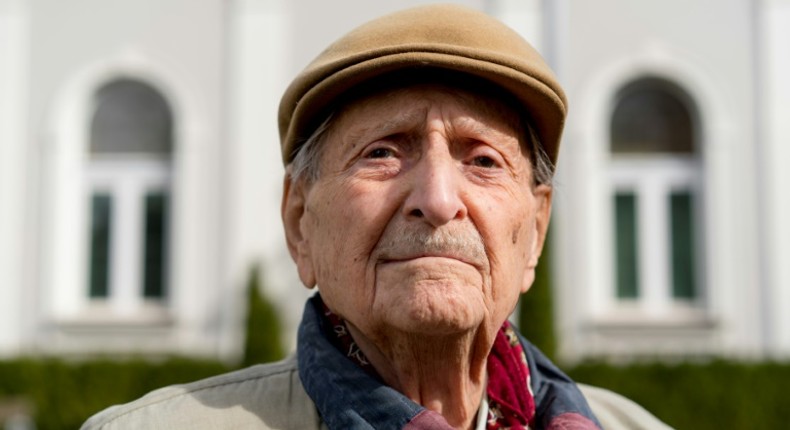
{"type": "Point", "coordinates": [445, 37]}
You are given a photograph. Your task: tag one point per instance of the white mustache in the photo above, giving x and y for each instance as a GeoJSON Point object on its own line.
{"type": "Point", "coordinates": [462, 244]}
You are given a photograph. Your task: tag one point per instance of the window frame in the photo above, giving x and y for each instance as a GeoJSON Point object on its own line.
{"type": "Point", "coordinates": [653, 177]}
{"type": "Point", "coordinates": [128, 177]}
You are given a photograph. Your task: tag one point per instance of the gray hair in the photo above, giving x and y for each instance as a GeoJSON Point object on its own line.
{"type": "Point", "coordinates": [306, 162]}
{"type": "Point", "coordinates": [542, 167]}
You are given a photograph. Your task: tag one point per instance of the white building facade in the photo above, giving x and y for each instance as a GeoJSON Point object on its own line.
{"type": "Point", "coordinates": [140, 171]}
{"type": "Point", "coordinates": [667, 248]}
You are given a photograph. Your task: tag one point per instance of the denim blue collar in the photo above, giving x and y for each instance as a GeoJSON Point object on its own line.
{"type": "Point", "coordinates": [349, 398]}
{"type": "Point", "coordinates": [346, 396]}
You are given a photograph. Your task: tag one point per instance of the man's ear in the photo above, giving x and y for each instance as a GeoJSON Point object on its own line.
{"type": "Point", "coordinates": [543, 196]}
{"type": "Point", "coordinates": [293, 211]}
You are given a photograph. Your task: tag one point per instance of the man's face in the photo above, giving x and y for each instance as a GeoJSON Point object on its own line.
{"type": "Point", "coordinates": [424, 217]}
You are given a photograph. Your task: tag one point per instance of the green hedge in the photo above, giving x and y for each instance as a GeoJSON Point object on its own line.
{"type": "Point", "coordinates": [64, 394]}
{"type": "Point", "coordinates": [714, 395]}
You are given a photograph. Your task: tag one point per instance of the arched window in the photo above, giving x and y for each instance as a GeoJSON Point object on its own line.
{"type": "Point", "coordinates": [131, 118]}
{"type": "Point", "coordinates": [652, 116]}
{"type": "Point", "coordinates": [655, 173]}
{"type": "Point", "coordinates": [129, 170]}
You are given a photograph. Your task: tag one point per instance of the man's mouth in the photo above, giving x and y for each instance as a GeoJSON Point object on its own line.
{"type": "Point", "coordinates": [432, 255]}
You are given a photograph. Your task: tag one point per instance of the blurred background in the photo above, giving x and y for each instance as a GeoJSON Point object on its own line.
{"type": "Point", "coordinates": [140, 178]}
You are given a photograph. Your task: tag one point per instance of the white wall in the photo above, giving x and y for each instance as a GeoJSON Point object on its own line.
{"type": "Point", "coordinates": [259, 57]}
{"type": "Point", "coordinates": [602, 45]}
{"type": "Point", "coordinates": [14, 191]}
{"type": "Point", "coordinates": [177, 47]}
{"type": "Point", "coordinates": [224, 66]}
{"type": "Point", "coordinates": [774, 88]}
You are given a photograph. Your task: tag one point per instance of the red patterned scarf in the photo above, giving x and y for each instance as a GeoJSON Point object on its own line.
{"type": "Point", "coordinates": [510, 401]}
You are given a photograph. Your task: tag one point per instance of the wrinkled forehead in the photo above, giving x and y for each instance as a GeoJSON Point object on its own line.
{"type": "Point", "coordinates": [403, 95]}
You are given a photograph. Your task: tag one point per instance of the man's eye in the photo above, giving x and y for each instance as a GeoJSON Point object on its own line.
{"type": "Point", "coordinates": [483, 161]}
{"type": "Point", "coordinates": [380, 153]}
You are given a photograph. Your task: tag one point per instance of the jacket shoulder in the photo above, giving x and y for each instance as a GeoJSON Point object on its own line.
{"type": "Point", "coordinates": [258, 397]}
{"type": "Point", "coordinates": [616, 412]}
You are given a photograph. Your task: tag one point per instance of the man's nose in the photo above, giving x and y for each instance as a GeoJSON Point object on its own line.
{"type": "Point", "coordinates": [436, 187]}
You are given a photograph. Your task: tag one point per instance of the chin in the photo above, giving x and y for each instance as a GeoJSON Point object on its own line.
{"type": "Point", "coordinates": [436, 315]}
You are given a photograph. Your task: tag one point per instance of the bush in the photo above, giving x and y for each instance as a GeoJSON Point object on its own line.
{"type": "Point", "coordinates": [63, 394]}
{"type": "Point", "coordinates": [262, 343]}
{"type": "Point", "coordinates": [716, 395]}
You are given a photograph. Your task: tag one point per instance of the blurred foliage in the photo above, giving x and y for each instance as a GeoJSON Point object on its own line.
{"type": "Point", "coordinates": [64, 394]}
{"type": "Point", "coordinates": [262, 343]}
{"type": "Point", "coordinates": [536, 316]}
{"type": "Point", "coordinates": [715, 395]}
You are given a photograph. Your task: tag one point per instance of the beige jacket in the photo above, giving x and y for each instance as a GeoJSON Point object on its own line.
{"type": "Point", "coordinates": [270, 396]}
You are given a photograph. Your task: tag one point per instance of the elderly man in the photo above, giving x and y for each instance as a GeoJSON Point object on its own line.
{"type": "Point", "coordinates": [420, 150]}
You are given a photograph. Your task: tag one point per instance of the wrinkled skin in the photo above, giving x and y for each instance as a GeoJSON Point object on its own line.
{"type": "Point", "coordinates": [421, 231]}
